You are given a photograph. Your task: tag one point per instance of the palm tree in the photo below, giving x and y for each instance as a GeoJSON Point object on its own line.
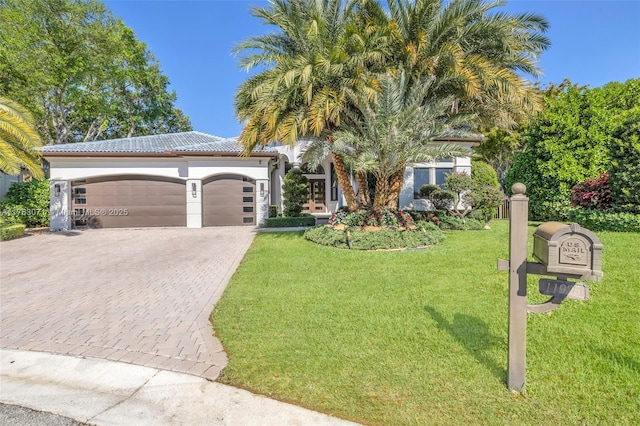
{"type": "Point", "coordinates": [394, 130]}
{"type": "Point", "coordinates": [316, 62]}
{"type": "Point", "coordinates": [483, 53]}
{"type": "Point", "coordinates": [328, 55]}
{"type": "Point", "coordinates": [18, 139]}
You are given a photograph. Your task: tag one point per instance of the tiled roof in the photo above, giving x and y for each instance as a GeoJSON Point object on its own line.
{"type": "Point", "coordinates": [164, 143]}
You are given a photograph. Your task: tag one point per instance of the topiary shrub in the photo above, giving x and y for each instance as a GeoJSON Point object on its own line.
{"type": "Point", "coordinates": [8, 232]}
{"type": "Point", "coordinates": [273, 210]}
{"type": "Point", "coordinates": [27, 203]}
{"type": "Point", "coordinates": [295, 191]}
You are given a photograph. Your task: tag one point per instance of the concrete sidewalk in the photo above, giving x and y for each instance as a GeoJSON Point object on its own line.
{"type": "Point", "coordinates": [103, 392]}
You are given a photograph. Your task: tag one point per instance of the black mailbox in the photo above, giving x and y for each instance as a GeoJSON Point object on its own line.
{"type": "Point", "coordinates": [568, 250]}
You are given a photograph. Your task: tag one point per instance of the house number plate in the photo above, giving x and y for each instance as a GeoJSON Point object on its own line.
{"type": "Point", "coordinates": [568, 289]}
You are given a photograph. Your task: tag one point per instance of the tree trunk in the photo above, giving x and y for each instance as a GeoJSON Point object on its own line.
{"type": "Point", "coordinates": [363, 188]}
{"type": "Point", "coordinates": [343, 179]}
{"type": "Point", "coordinates": [395, 187]}
{"type": "Point", "coordinates": [382, 193]}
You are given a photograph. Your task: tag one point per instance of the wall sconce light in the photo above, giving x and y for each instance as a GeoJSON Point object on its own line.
{"type": "Point", "coordinates": [262, 189]}
{"type": "Point", "coordinates": [194, 192]}
{"type": "Point", "coordinates": [56, 190]}
{"type": "Point", "coordinates": [275, 166]}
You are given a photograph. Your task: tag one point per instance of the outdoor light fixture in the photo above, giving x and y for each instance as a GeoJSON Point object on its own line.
{"type": "Point", "coordinates": [262, 189]}
{"type": "Point", "coordinates": [194, 193]}
{"type": "Point", "coordinates": [56, 190]}
{"type": "Point", "coordinates": [275, 166]}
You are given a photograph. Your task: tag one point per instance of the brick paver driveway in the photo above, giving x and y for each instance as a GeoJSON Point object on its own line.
{"type": "Point", "coordinates": [141, 296]}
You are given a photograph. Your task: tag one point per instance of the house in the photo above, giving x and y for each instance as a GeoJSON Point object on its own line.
{"type": "Point", "coordinates": [194, 179]}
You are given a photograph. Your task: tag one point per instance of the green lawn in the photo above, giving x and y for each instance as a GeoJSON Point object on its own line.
{"type": "Point", "coordinates": [420, 337]}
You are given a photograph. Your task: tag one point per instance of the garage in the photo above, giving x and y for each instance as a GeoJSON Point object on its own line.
{"type": "Point", "coordinates": [229, 200]}
{"type": "Point", "coordinates": [128, 201]}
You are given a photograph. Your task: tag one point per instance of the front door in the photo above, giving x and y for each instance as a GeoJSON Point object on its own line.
{"type": "Point", "coordinates": [317, 195]}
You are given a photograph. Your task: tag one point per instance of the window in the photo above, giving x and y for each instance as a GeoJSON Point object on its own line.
{"type": "Point", "coordinates": [432, 175]}
{"type": "Point", "coordinates": [441, 175]}
{"type": "Point", "coordinates": [247, 199]}
{"type": "Point", "coordinates": [247, 189]}
{"type": "Point", "coordinates": [247, 209]}
{"type": "Point", "coordinates": [247, 220]}
{"type": "Point", "coordinates": [420, 178]}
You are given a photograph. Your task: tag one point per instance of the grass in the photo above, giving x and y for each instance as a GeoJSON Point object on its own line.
{"type": "Point", "coordinates": [420, 337]}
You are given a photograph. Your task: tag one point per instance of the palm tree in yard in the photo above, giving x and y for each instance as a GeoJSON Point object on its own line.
{"type": "Point", "coordinates": [394, 130]}
{"type": "Point", "coordinates": [18, 139]}
{"type": "Point", "coordinates": [316, 63]}
{"type": "Point", "coordinates": [481, 52]}
{"type": "Point", "coordinates": [325, 64]}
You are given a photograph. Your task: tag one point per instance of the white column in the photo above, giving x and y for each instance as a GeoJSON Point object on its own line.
{"type": "Point", "coordinates": [59, 210]}
{"type": "Point", "coordinates": [194, 203]}
{"type": "Point", "coordinates": [262, 201]}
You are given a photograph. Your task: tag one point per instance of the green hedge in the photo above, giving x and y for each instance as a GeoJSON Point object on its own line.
{"type": "Point", "coordinates": [386, 238]}
{"type": "Point", "coordinates": [598, 220]}
{"type": "Point", "coordinates": [9, 232]}
{"type": "Point", "coordinates": [287, 222]}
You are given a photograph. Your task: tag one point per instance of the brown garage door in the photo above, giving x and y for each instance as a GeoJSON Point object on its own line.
{"type": "Point", "coordinates": [228, 200]}
{"type": "Point", "coordinates": [129, 201]}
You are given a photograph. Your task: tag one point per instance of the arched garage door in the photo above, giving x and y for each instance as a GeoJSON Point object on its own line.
{"type": "Point", "coordinates": [129, 201]}
{"type": "Point", "coordinates": [228, 200]}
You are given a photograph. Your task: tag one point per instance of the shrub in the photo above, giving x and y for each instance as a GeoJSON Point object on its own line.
{"type": "Point", "coordinates": [427, 190]}
{"type": "Point", "coordinates": [442, 199]}
{"type": "Point", "coordinates": [387, 238]}
{"type": "Point", "coordinates": [27, 203]}
{"type": "Point", "coordinates": [432, 216]}
{"type": "Point", "coordinates": [625, 158]}
{"type": "Point", "coordinates": [483, 174]}
{"type": "Point", "coordinates": [461, 185]}
{"type": "Point", "coordinates": [592, 194]}
{"type": "Point", "coordinates": [295, 190]}
{"type": "Point", "coordinates": [485, 201]}
{"type": "Point", "coordinates": [8, 232]}
{"type": "Point", "coordinates": [286, 222]}
{"type": "Point", "coordinates": [598, 220]}
{"type": "Point", "coordinates": [371, 218]}
{"type": "Point", "coordinates": [273, 211]}
{"type": "Point", "coordinates": [457, 224]}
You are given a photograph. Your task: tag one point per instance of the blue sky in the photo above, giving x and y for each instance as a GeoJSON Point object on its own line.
{"type": "Point", "coordinates": [592, 43]}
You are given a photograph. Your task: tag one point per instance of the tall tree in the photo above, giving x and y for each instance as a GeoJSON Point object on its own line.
{"type": "Point", "coordinates": [483, 53]}
{"type": "Point", "coordinates": [18, 139]}
{"type": "Point", "coordinates": [314, 63]}
{"type": "Point", "coordinates": [82, 72]}
{"type": "Point", "coordinates": [392, 131]}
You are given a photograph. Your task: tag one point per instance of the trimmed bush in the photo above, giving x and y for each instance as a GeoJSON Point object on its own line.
{"type": "Point", "coordinates": [625, 157]}
{"type": "Point", "coordinates": [28, 203]}
{"type": "Point", "coordinates": [295, 191]}
{"type": "Point", "coordinates": [372, 218]}
{"type": "Point", "coordinates": [598, 220]}
{"type": "Point", "coordinates": [8, 232]}
{"type": "Point", "coordinates": [386, 238]}
{"type": "Point", "coordinates": [273, 211]}
{"type": "Point", "coordinates": [287, 222]}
